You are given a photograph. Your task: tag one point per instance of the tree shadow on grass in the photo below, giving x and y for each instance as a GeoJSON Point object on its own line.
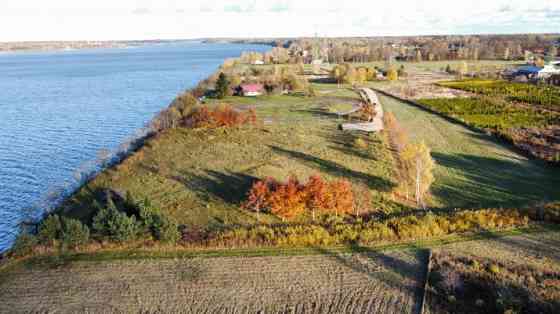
{"type": "Point", "coordinates": [336, 169]}
{"type": "Point", "coordinates": [231, 188]}
{"type": "Point", "coordinates": [483, 182]}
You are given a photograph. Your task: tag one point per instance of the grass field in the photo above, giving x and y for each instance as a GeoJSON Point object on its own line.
{"type": "Point", "coordinates": [473, 169]}
{"type": "Point", "coordinates": [373, 282]}
{"type": "Point", "coordinates": [202, 176]}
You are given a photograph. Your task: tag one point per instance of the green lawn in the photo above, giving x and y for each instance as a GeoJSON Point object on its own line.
{"type": "Point", "coordinates": [473, 169]}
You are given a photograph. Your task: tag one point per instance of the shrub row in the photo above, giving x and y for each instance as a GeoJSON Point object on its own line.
{"type": "Point", "coordinates": [222, 116]}
{"type": "Point", "coordinates": [412, 227]}
{"type": "Point", "coordinates": [110, 223]}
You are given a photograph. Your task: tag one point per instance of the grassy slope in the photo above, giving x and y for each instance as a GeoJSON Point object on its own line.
{"type": "Point", "coordinates": [201, 176]}
{"type": "Point", "coordinates": [473, 170]}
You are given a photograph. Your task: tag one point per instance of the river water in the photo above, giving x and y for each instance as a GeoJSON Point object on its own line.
{"type": "Point", "coordinates": [60, 111]}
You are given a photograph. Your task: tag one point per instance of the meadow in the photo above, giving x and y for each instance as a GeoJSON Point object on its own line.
{"type": "Point", "coordinates": [202, 176]}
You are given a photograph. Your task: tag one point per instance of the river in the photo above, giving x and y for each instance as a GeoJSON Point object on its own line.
{"type": "Point", "coordinates": [59, 111]}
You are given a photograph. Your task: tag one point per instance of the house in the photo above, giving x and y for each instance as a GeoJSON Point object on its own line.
{"type": "Point", "coordinates": [257, 62]}
{"type": "Point", "coordinates": [251, 90]}
{"type": "Point", "coordinates": [529, 71]}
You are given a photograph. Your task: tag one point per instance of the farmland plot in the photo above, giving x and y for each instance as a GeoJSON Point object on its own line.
{"type": "Point", "coordinates": [332, 283]}
{"type": "Point", "coordinates": [494, 276]}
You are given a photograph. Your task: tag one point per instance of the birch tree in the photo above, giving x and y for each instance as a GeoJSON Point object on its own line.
{"type": "Point", "coordinates": [419, 165]}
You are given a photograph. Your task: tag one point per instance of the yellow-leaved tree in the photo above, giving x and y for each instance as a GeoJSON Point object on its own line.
{"type": "Point", "coordinates": [338, 73]}
{"type": "Point", "coordinates": [419, 165]}
{"type": "Point", "coordinates": [392, 74]}
{"type": "Point", "coordinates": [350, 75]}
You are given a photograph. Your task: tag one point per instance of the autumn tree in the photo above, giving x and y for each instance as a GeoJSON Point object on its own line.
{"type": "Point", "coordinates": [402, 71]}
{"type": "Point", "coordinates": [418, 55]}
{"type": "Point", "coordinates": [362, 75]}
{"type": "Point", "coordinates": [419, 167]}
{"type": "Point", "coordinates": [392, 74]}
{"type": "Point", "coordinates": [462, 70]}
{"type": "Point", "coordinates": [371, 74]}
{"type": "Point", "coordinates": [337, 73]}
{"type": "Point", "coordinates": [350, 74]}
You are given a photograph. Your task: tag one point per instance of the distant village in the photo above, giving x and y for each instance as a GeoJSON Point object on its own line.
{"type": "Point", "coordinates": [534, 57]}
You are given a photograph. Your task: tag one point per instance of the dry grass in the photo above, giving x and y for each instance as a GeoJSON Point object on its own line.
{"type": "Point", "coordinates": [333, 283]}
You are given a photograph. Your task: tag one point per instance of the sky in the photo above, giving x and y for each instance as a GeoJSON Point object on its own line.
{"type": "Point", "coordinates": [24, 20]}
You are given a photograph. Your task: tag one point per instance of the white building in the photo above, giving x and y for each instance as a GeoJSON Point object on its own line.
{"type": "Point", "coordinates": [549, 69]}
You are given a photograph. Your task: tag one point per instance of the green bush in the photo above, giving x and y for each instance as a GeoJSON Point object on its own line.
{"type": "Point", "coordinates": [24, 244]}
{"type": "Point", "coordinates": [160, 226]}
{"type": "Point", "coordinates": [49, 230]}
{"type": "Point", "coordinates": [165, 229]}
{"type": "Point", "coordinates": [74, 233]}
{"type": "Point", "coordinates": [114, 224]}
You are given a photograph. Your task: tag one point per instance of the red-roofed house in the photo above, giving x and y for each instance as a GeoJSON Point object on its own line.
{"type": "Point", "coordinates": [252, 90]}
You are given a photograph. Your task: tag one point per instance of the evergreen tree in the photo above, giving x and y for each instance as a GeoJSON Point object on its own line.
{"type": "Point", "coordinates": [222, 86]}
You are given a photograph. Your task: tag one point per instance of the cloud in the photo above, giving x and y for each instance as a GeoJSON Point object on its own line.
{"type": "Point", "coordinates": [233, 8]}
{"type": "Point", "coordinates": [505, 8]}
{"type": "Point", "coordinates": [279, 7]}
{"type": "Point", "coordinates": [247, 7]}
{"type": "Point", "coordinates": [553, 14]}
{"type": "Point", "coordinates": [141, 11]}
{"type": "Point", "coordinates": [130, 19]}
{"type": "Point", "coordinates": [361, 22]}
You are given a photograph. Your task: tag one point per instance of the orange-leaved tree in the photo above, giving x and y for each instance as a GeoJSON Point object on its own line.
{"type": "Point", "coordinates": [288, 201]}
{"type": "Point", "coordinates": [291, 199]}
